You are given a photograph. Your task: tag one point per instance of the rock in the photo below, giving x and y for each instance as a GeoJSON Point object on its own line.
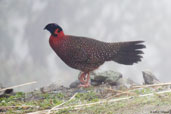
{"type": "Point", "coordinates": [98, 77]}
{"type": "Point", "coordinates": [49, 88]}
{"type": "Point", "coordinates": [75, 84]}
{"type": "Point", "coordinates": [6, 92]}
{"type": "Point", "coordinates": [149, 78]}
{"type": "Point", "coordinates": [94, 83]}
{"type": "Point", "coordinates": [131, 82]}
{"type": "Point", "coordinates": [125, 83]}
{"type": "Point", "coordinates": [110, 77]}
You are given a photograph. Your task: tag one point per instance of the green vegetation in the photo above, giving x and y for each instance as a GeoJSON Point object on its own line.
{"type": "Point", "coordinates": [30, 102]}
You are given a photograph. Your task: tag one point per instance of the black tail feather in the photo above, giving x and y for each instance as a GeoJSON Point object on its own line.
{"type": "Point", "coordinates": [128, 53]}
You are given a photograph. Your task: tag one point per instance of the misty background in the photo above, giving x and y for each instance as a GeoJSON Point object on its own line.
{"type": "Point", "coordinates": [25, 54]}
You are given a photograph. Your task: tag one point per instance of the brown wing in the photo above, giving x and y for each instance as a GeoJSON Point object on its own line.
{"type": "Point", "coordinates": [87, 50]}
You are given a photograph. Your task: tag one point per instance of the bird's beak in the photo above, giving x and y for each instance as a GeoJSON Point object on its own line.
{"type": "Point", "coordinates": [45, 28]}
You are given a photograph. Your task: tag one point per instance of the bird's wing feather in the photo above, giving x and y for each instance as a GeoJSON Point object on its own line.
{"type": "Point", "coordinates": [78, 54]}
{"type": "Point", "coordinates": [81, 52]}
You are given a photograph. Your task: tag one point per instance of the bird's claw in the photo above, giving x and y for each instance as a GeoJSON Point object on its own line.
{"type": "Point", "coordinates": [84, 85]}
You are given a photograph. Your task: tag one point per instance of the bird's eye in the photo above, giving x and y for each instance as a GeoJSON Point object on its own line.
{"type": "Point", "coordinates": [56, 31]}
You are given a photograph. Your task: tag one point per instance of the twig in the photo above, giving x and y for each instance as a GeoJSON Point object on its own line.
{"type": "Point", "coordinates": [49, 111]}
{"type": "Point", "coordinates": [18, 85]}
{"type": "Point", "coordinates": [8, 107]}
{"type": "Point", "coordinates": [153, 85]}
{"type": "Point", "coordinates": [119, 92]}
{"type": "Point", "coordinates": [109, 101]}
{"type": "Point", "coordinates": [62, 103]}
{"type": "Point", "coordinates": [99, 102]}
{"type": "Point", "coordinates": [39, 112]}
{"type": "Point", "coordinates": [130, 91]}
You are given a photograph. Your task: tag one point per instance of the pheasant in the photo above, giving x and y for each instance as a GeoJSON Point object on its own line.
{"type": "Point", "coordinates": [87, 54]}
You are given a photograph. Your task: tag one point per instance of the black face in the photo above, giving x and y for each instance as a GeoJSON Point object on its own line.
{"type": "Point", "coordinates": [52, 27]}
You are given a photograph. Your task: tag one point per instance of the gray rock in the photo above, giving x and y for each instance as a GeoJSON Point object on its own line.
{"type": "Point", "coordinates": [5, 92]}
{"type": "Point", "coordinates": [110, 77]}
{"type": "Point", "coordinates": [52, 87]}
{"type": "Point", "coordinates": [149, 78]}
{"type": "Point", "coordinates": [125, 83]}
{"type": "Point", "coordinates": [75, 84]}
{"type": "Point", "coordinates": [94, 83]}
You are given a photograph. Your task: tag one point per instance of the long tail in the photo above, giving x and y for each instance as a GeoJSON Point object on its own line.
{"type": "Point", "coordinates": [127, 53]}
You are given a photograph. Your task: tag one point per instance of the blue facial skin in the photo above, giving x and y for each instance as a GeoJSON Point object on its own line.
{"type": "Point", "coordinates": [52, 27]}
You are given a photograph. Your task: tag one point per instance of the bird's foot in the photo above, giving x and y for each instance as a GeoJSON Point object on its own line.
{"type": "Point", "coordinates": [84, 85]}
{"type": "Point", "coordinates": [84, 80]}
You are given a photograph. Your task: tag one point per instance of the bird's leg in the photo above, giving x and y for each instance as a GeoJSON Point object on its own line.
{"type": "Point", "coordinates": [82, 78]}
{"type": "Point", "coordinates": [87, 78]}
{"type": "Point", "coordinates": [86, 82]}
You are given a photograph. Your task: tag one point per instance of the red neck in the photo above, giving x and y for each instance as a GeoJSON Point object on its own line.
{"type": "Point", "coordinates": [60, 35]}
{"type": "Point", "coordinates": [55, 40]}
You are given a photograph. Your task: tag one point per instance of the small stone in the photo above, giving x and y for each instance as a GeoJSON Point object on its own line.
{"type": "Point", "coordinates": [5, 92]}
{"type": "Point", "coordinates": [75, 84]}
{"type": "Point", "coordinates": [149, 78]}
{"type": "Point", "coordinates": [113, 78]}
{"type": "Point", "coordinates": [94, 83]}
{"type": "Point", "coordinates": [49, 88]}
{"type": "Point", "coordinates": [8, 91]}
{"type": "Point", "coordinates": [109, 77]}
{"type": "Point", "coordinates": [125, 83]}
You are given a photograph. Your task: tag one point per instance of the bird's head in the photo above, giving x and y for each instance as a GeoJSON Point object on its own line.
{"type": "Point", "coordinates": [54, 29]}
